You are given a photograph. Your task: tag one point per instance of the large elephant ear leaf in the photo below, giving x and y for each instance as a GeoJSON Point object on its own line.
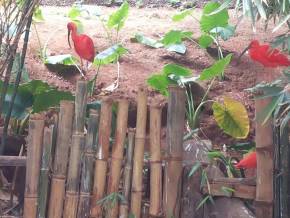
{"type": "Point", "coordinates": [210, 20]}
{"type": "Point", "coordinates": [232, 118]}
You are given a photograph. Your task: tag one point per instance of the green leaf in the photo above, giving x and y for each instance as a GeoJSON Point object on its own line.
{"type": "Point", "coordinates": [177, 70]}
{"type": "Point", "coordinates": [51, 98]}
{"type": "Point", "coordinates": [181, 15]}
{"type": "Point", "coordinates": [225, 32]}
{"type": "Point", "coordinates": [178, 48]}
{"type": "Point", "coordinates": [194, 168]}
{"type": "Point", "coordinates": [228, 191]}
{"type": "Point", "coordinates": [118, 18]}
{"type": "Point", "coordinates": [160, 83]}
{"type": "Point", "coordinates": [148, 41]}
{"type": "Point", "coordinates": [175, 37]}
{"type": "Point", "coordinates": [66, 59]}
{"type": "Point", "coordinates": [205, 41]}
{"type": "Point", "coordinates": [208, 22]}
{"type": "Point", "coordinates": [34, 87]}
{"type": "Point", "coordinates": [22, 103]}
{"type": "Point", "coordinates": [216, 69]}
{"type": "Point", "coordinates": [281, 23]}
{"type": "Point", "coordinates": [223, 6]}
{"type": "Point", "coordinates": [74, 12]}
{"type": "Point", "coordinates": [110, 55]}
{"type": "Point", "coordinates": [232, 118]}
{"type": "Point", "coordinates": [37, 15]}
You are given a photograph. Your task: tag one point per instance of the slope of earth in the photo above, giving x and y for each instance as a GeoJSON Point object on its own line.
{"type": "Point", "coordinates": [141, 61]}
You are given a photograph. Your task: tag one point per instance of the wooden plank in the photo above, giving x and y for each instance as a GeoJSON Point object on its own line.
{"type": "Point", "coordinates": [12, 161]}
{"type": "Point", "coordinates": [243, 188]}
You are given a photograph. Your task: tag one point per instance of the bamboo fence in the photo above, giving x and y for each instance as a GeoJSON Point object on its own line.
{"type": "Point", "coordinates": [117, 155]}
{"type": "Point", "coordinates": [138, 161]}
{"type": "Point", "coordinates": [34, 149]}
{"type": "Point", "coordinates": [102, 156]}
{"type": "Point", "coordinates": [64, 134]}
{"type": "Point", "coordinates": [88, 168]}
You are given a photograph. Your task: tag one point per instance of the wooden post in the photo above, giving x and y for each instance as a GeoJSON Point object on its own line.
{"type": "Point", "coordinates": [265, 155]}
{"type": "Point", "coordinates": [136, 197]}
{"type": "Point", "coordinates": [80, 106]}
{"type": "Point", "coordinates": [88, 165]}
{"type": "Point", "coordinates": [117, 154]}
{"type": "Point", "coordinates": [64, 134]}
{"type": "Point", "coordinates": [34, 149]}
{"type": "Point", "coordinates": [73, 177]}
{"type": "Point", "coordinates": [173, 164]}
{"type": "Point", "coordinates": [102, 158]}
{"type": "Point", "coordinates": [155, 162]}
{"type": "Point", "coordinates": [124, 207]}
{"type": "Point", "coordinates": [44, 180]}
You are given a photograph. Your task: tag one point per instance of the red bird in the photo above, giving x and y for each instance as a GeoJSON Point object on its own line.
{"type": "Point", "coordinates": [83, 44]}
{"type": "Point", "coordinates": [267, 56]}
{"type": "Point", "coordinates": [248, 162]}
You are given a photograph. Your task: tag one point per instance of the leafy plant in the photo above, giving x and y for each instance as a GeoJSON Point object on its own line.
{"type": "Point", "coordinates": [109, 201]}
{"type": "Point", "coordinates": [33, 97]}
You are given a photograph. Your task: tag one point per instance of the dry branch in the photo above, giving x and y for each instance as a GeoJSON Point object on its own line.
{"type": "Point", "coordinates": [136, 197]}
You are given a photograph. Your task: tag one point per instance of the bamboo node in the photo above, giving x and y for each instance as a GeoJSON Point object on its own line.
{"type": "Point", "coordinates": [155, 161]}
{"type": "Point", "coordinates": [263, 203]}
{"type": "Point", "coordinates": [58, 177]}
{"type": "Point", "coordinates": [32, 196]}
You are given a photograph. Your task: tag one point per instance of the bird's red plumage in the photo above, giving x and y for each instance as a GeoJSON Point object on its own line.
{"type": "Point", "coordinates": [248, 162]}
{"type": "Point", "coordinates": [83, 44]}
{"type": "Point", "coordinates": [267, 56]}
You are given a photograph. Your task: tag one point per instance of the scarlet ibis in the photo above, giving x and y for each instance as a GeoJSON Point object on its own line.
{"type": "Point", "coordinates": [265, 55]}
{"type": "Point", "coordinates": [83, 44]}
{"type": "Point", "coordinates": [248, 162]}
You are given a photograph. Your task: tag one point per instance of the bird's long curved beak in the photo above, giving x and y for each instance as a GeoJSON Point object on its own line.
{"type": "Point", "coordinates": [68, 37]}
{"type": "Point", "coordinates": [245, 50]}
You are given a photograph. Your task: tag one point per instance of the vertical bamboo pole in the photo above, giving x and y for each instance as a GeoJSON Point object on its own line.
{"type": "Point", "coordinates": [138, 161]}
{"type": "Point", "coordinates": [64, 134]}
{"type": "Point", "coordinates": [124, 207]}
{"type": "Point", "coordinates": [76, 152]}
{"type": "Point", "coordinates": [73, 177]}
{"type": "Point", "coordinates": [155, 162]}
{"type": "Point", "coordinates": [117, 154]}
{"type": "Point", "coordinates": [44, 179]}
{"type": "Point", "coordinates": [173, 164]}
{"type": "Point", "coordinates": [102, 158]}
{"type": "Point", "coordinates": [34, 149]}
{"type": "Point", "coordinates": [88, 165]}
{"type": "Point", "coordinates": [265, 157]}
{"type": "Point", "coordinates": [80, 106]}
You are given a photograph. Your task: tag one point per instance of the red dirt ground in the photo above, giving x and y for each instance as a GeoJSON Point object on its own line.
{"type": "Point", "coordinates": [143, 61]}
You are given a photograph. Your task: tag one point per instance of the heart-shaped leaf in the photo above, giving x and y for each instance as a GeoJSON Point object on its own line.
{"type": "Point", "coordinates": [160, 83]}
{"type": "Point", "coordinates": [205, 41]}
{"type": "Point", "coordinates": [232, 118]}
{"type": "Point", "coordinates": [209, 21]}
{"type": "Point", "coordinates": [175, 37]}
{"type": "Point", "coordinates": [148, 41]}
{"type": "Point", "coordinates": [176, 70]}
{"type": "Point", "coordinates": [182, 15]}
{"type": "Point", "coordinates": [118, 18]}
{"type": "Point", "coordinates": [110, 55]}
{"type": "Point", "coordinates": [66, 59]}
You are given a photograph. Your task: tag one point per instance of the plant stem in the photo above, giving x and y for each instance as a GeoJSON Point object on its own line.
{"type": "Point", "coordinates": [39, 42]}
{"type": "Point", "coordinates": [17, 82]}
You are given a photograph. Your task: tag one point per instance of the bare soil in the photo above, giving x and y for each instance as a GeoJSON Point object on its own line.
{"type": "Point", "coordinates": [142, 61]}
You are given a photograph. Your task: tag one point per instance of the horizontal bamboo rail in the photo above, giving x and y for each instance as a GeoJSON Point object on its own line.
{"type": "Point", "coordinates": [12, 161]}
{"type": "Point", "coordinates": [242, 188]}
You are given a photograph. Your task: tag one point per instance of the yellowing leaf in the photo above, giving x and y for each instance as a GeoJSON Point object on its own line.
{"type": "Point", "coordinates": [232, 118]}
